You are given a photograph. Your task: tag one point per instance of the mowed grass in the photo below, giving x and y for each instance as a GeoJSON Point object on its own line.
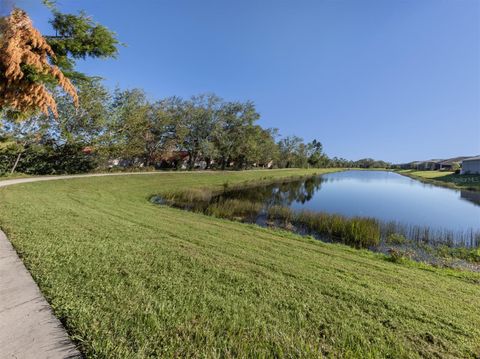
{"type": "Point", "coordinates": [130, 279]}
{"type": "Point", "coordinates": [446, 179]}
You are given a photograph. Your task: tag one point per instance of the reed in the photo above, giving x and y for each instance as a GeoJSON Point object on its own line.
{"type": "Point", "coordinates": [356, 232]}
{"type": "Point", "coordinates": [189, 196]}
{"type": "Point", "coordinates": [234, 209]}
{"type": "Point", "coordinates": [283, 214]}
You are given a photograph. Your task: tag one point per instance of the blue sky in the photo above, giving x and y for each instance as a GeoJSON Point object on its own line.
{"type": "Point", "coordinates": [391, 79]}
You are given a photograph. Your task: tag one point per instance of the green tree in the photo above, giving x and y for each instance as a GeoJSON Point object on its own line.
{"type": "Point", "coordinates": [290, 150]}
{"type": "Point", "coordinates": [198, 121]}
{"type": "Point", "coordinates": [257, 148]}
{"type": "Point", "coordinates": [78, 37]}
{"type": "Point", "coordinates": [315, 155]}
{"type": "Point", "coordinates": [128, 127]}
{"type": "Point", "coordinates": [85, 124]}
{"type": "Point", "coordinates": [162, 138]}
{"type": "Point", "coordinates": [233, 131]}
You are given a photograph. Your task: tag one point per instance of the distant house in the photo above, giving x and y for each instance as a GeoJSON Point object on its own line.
{"type": "Point", "coordinates": [435, 164]}
{"type": "Point", "coordinates": [471, 165]}
{"type": "Point", "coordinates": [451, 163]}
{"type": "Point", "coordinates": [430, 165]}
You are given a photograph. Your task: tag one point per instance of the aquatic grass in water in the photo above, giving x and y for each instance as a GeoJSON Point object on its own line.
{"type": "Point", "coordinates": [234, 209]}
{"type": "Point", "coordinates": [356, 232]}
{"type": "Point", "coordinates": [282, 214]}
{"type": "Point", "coordinates": [431, 236]}
{"type": "Point", "coordinates": [189, 196]}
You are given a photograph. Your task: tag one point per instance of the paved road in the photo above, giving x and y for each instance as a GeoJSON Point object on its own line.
{"type": "Point", "coordinates": [28, 328]}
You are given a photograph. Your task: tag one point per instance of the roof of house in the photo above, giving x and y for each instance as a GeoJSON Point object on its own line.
{"type": "Point", "coordinates": [454, 160]}
{"type": "Point", "coordinates": [447, 161]}
{"type": "Point", "coordinates": [476, 158]}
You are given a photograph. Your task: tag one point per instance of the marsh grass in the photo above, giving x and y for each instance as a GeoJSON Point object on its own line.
{"type": "Point", "coordinates": [234, 209]}
{"type": "Point", "coordinates": [356, 232]}
{"type": "Point", "coordinates": [394, 231]}
{"type": "Point", "coordinates": [471, 255]}
{"type": "Point", "coordinates": [281, 214]}
{"type": "Point", "coordinates": [189, 195]}
{"type": "Point", "coordinates": [396, 238]}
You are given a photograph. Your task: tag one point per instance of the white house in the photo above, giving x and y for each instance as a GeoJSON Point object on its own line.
{"type": "Point", "coordinates": [471, 165]}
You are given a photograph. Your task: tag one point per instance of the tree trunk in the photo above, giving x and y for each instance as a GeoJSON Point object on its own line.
{"type": "Point", "coordinates": [191, 162]}
{"type": "Point", "coordinates": [16, 163]}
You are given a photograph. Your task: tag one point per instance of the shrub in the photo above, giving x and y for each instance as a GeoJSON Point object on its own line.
{"type": "Point", "coordinates": [398, 256]}
{"type": "Point", "coordinates": [47, 159]}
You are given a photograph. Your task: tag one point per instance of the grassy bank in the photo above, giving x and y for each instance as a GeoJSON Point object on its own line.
{"type": "Point", "coordinates": [132, 279]}
{"type": "Point", "coordinates": [445, 179]}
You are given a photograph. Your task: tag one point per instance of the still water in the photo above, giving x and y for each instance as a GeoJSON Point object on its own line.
{"type": "Point", "coordinates": [386, 196]}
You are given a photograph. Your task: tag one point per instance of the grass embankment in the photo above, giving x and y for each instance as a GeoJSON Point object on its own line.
{"type": "Point", "coordinates": [132, 279]}
{"type": "Point", "coordinates": [445, 179]}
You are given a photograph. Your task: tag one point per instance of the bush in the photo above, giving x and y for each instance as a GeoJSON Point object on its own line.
{"type": "Point", "coordinates": [397, 256]}
{"type": "Point", "coordinates": [48, 159]}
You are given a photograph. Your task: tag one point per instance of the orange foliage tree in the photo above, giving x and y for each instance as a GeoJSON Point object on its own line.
{"type": "Point", "coordinates": [26, 72]}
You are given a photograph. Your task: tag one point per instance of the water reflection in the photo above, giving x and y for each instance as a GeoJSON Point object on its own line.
{"type": "Point", "coordinates": [471, 196]}
{"type": "Point", "coordinates": [284, 194]}
{"type": "Point", "coordinates": [386, 196]}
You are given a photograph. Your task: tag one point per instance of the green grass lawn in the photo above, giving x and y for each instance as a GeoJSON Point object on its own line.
{"type": "Point", "coordinates": [447, 179]}
{"type": "Point", "coordinates": [132, 279]}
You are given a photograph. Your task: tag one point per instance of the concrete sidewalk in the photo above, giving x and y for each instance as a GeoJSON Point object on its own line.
{"type": "Point", "coordinates": [28, 328]}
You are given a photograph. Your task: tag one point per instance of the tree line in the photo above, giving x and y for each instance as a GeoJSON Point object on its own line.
{"type": "Point", "coordinates": [54, 119]}
{"type": "Point", "coordinates": [125, 129]}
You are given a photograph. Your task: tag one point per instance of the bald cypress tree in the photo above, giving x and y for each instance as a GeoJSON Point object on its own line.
{"type": "Point", "coordinates": [32, 65]}
{"type": "Point", "coordinates": [26, 68]}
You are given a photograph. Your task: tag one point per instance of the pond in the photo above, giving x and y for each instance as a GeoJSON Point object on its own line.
{"type": "Point", "coordinates": [385, 196]}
